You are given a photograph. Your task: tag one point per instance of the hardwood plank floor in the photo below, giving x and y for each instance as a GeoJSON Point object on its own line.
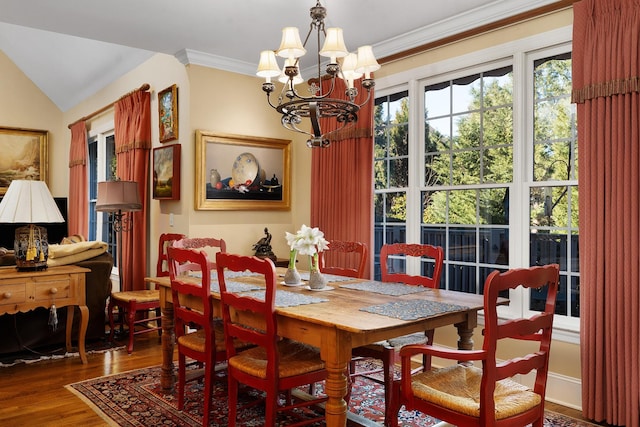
{"type": "Point", "coordinates": [34, 394]}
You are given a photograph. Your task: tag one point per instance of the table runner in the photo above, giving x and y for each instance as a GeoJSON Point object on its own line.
{"type": "Point", "coordinates": [385, 288]}
{"type": "Point", "coordinates": [412, 310]}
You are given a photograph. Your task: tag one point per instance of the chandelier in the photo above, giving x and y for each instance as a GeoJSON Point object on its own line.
{"type": "Point", "coordinates": [319, 102]}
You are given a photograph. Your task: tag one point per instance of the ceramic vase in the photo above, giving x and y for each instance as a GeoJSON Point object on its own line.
{"type": "Point", "coordinates": [292, 277]}
{"type": "Point", "coordinates": [316, 279]}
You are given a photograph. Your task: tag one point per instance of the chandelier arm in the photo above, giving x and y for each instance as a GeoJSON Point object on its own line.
{"type": "Point", "coordinates": [315, 119]}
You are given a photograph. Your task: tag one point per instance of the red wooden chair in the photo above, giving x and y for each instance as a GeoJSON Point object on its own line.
{"type": "Point", "coordinates": [387, 350]}
{"type": "Point", "coordinates": [275, 365]}
{"type": "Point", "coordinates": [206, 344]}
{"type": "Point", "coordinates": [210, 245]}
{"type": "Point", "coordinates": [131, 302]}
{"type": "Point", "coordinates": [344, 259]}
{"type": "Point", "coordinates": [465, 395]}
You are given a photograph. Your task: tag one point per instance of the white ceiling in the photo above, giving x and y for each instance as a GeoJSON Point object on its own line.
{"type": "Point", "coordinates": [73, 48]}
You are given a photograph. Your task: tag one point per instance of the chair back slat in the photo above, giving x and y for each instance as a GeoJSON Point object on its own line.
{"type": "Point", "coordinates": [537, 327]}
{"type": "Point", "coordinates": [166, 240]}
{"type": "Point", "coordinates": [434, 253]}
{"type": "Point", "coordinates": [344, 258]}
{"type": "Point", "coordinates": [182, 287]}
{"type": "Point", "coordinates": [210, 245]}
{"type": "Point", "coordinates": [265, 334]}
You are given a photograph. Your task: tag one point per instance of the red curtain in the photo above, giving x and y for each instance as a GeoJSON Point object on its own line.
{"type": "Point", "coordinates": [78, 210]}
{"type": "Point", "coordinates": [342, 178]}
{"type": "Point", "coordinates": [132, 119]}
{"type": "Point", "coordinates": [606, 82]}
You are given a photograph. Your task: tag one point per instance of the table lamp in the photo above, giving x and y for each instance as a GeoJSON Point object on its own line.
{"type": "Point", "coordinates": [117, 198]}
{"type": "Point", "coordinates": [30, 202]}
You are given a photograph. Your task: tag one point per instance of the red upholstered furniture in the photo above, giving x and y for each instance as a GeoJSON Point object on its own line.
{"type": "Point", "coordinates": [344, 259]}
{"type": "Point", "coordinates": [387, 350]}
{"type": "Point", "coordinates": [466, 395]}
{"type": "Point", "coordinates": [131, 303]}
{"type": "Point", "coordinates": [274, 365]}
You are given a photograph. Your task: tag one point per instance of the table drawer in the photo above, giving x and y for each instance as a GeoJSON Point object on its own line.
{"type": "Point", "coordinates": [54, 288]}
{"type": "Point", "coordinates": [12, 294]}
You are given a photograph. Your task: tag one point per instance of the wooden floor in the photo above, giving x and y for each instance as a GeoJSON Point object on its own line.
{"type": "Point", "coordinates": [34, 394]}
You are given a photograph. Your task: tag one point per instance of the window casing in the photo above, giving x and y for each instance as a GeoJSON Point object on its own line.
{"type": "Point", "coordinates": [492, 163]}
{"type": "Point", "coordinates": [101, 167]}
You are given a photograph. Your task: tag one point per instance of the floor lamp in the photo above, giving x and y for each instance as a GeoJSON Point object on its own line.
{"type": "Point", "coordinates": [117, 198]}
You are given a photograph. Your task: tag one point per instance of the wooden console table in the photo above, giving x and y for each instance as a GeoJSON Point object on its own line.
{"type": "Point", "coordinates": [64, 286]}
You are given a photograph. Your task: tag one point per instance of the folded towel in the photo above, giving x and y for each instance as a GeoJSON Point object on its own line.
{"type": "Point", "coordinates": [60, 251]}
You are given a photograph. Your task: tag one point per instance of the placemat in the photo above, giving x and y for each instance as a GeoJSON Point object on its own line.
{"type": "Point", "coordinates": [234, 287]}
{"type": "Point", "coordinates": [385, 288]}
{"type": "Point", "coordinates": [227, 274]}
{"type": "Point", "coordinates": [286, 298]}
{"type": "Point", "coordinates": [412, 310]}
{"type": "Point", "coordinates": [304, 275]}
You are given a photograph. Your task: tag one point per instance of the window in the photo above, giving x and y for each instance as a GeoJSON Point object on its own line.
{"type": "Point", "coordinates": [480, 160]}
{"type": "Point", "coordinates": [102, 157]}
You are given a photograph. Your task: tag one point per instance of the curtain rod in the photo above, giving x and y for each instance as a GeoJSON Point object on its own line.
{"type": "Point", "coordinates": [144, 87]}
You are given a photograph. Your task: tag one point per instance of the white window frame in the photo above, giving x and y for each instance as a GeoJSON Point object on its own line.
{"type": "Point", "coordinates": [520, 54]}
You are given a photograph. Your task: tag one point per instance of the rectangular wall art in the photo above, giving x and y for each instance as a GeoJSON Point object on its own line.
{"type": "Point", "coordinates": [24, 155]}
{"type": "Point", "coordinates": [166, 172]}
{"type": "Point", "coordinates": [242, 172]}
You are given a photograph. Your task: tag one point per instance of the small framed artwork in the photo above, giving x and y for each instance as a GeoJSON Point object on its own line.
{"type": "Point", "coordinates": [166, 172]}
{"type": "Point", "coordinates": [24, 155]}
{"type": "Point", "coordinates": [168, 113]}
{"type": "Point", "coordinates": [236, 172]}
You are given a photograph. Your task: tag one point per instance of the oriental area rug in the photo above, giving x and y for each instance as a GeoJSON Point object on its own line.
{"type": "Point", "coordinates": [135, 399]}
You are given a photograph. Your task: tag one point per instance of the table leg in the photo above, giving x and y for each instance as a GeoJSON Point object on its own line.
{"type": "Point", "coordinates": [84, 322]}
{"type": "Point", "coordinates": [168, 336]}
{"type": "Point", "coordinates": [465, 334]}
{"type": "Point", "coordinates": [336, 384]}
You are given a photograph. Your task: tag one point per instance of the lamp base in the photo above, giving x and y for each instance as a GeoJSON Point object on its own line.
{"type": "Point", "coordinates": [31, 248]}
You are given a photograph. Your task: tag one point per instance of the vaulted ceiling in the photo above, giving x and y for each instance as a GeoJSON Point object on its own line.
{"type": "Point", "coordinates": [73, 48]}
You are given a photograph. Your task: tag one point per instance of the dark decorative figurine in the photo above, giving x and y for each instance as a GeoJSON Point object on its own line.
{"type": "Point", "coordinates": [262, 247]}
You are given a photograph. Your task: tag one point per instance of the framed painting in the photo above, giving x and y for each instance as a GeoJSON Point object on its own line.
{"type": "Point", "coordinates": [168, 113]}
{"type": "Point", "coordinates": [24, 155]}
{"type": "Point", "coordinates": [236, 172]}
{"type": "Point", "coordinates": [166, 172]}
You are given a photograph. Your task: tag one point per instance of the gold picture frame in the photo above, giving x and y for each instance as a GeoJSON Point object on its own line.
{"type": "Point", "coordinates": [168, 114]}
{"type": "Point", "coordinates": [24, 155]}
{"type": "Point", "coordinates": [261, 167]}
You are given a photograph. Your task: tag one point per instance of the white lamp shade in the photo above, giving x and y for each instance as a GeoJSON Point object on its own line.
{"type": "Point", "coordinates": [114, 196]}
{"type": "Point", "coordinates": [268, 66]}
{"type": "Point", "coordinates": [334, 46]}
{"type": "Point", "coordinates": [349, 69]}
{"type": "Point", "coordinates": [291, 45]}
{"type": "Point", "coordinates": [29, 202]}
{"type": "Point", "coordinates": [366, 61]}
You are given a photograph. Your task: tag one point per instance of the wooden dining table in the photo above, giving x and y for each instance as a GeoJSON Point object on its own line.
{"type": "Point", "coordinates": [351, 314]}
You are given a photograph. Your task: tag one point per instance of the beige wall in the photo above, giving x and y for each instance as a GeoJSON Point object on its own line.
{"type": "Point", "coordinates": [23, 105]}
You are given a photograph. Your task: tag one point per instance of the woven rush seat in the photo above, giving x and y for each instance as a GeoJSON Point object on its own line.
{"type": "Point", "coordinates": [145, 295]}
{"type": "Point", "coordinates": [458, 388]}
{"type": "Point", "coordinates": [196, 341]}
{"type": "Point", "coordinates": [295, 359]}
